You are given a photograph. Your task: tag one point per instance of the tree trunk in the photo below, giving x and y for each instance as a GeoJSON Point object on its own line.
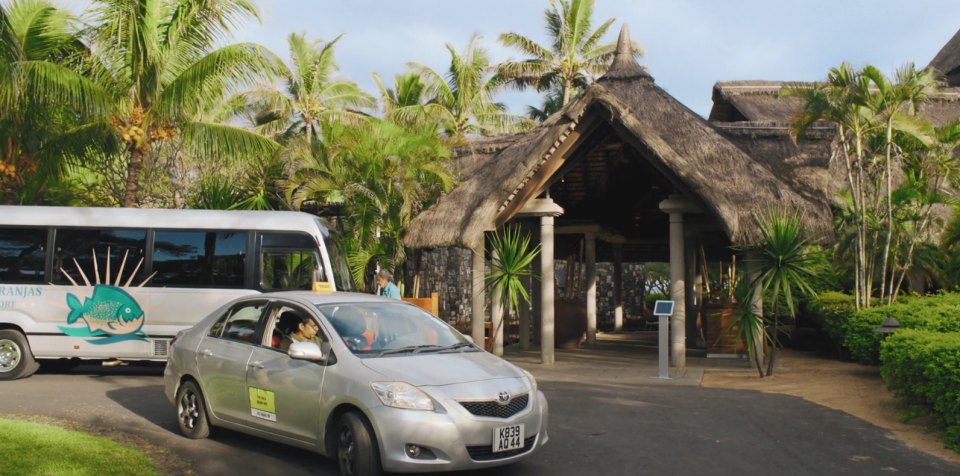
{"type": "Point", "coordinates": [133, 177]}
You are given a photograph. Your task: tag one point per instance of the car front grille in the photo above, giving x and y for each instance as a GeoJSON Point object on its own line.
{"type": "Point", "coordinates": [485, 452]}
{"type": "Point", "coordinates": [492, 408]}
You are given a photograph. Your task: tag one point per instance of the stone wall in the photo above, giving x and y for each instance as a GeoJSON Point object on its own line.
{"type": "Point", "coordinates": [447, 271]}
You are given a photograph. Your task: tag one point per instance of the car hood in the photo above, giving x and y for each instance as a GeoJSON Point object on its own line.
{"type": "Point", "coordinates": [443, 369]}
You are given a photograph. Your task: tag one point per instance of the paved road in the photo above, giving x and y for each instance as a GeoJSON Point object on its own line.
{"type": "Point", "coordinates": [619, 421]}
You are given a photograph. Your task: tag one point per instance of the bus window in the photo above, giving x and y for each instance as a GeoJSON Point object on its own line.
{"type": "Point", "coordinates": [22, 255]}
{"type": "Point", "coordinates": [199, 258]}
{"type": "Point", "coordinates": [287, 261]}
{"type": "Point", "coordinates": [80, 245]}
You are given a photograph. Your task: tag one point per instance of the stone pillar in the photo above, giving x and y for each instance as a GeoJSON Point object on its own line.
{"type": "Point", "coordinates": [479, 296]}
{"type": "Point", "coordinates": [617, 287]}
{"type": "Point", "coordinates": [524, 316]}
{"type": "Point", "coordinates": [689, 278]}
{"type": "Point", "coordinates": [546, 290]}
{"type": "Point", "coordinates": [756, 301]}
{"type": "Point", "coordinates": [591, 258]}
{"type": "Point", "coordinates": [676, 206]}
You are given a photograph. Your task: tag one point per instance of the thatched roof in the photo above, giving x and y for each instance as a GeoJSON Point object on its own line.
{"type": "Point", "coordinates": [947, 60]}
{"type": "Point", "coordinates": [729, 185]}
{"type": "Point", "coordinates": [760, 101]}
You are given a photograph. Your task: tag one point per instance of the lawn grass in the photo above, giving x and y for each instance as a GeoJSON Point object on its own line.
{"type": "Point", "coordinates": [34, 449]}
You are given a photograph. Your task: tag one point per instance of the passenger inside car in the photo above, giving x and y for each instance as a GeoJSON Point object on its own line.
{"type": "Point", "coordinates": [298, 328]}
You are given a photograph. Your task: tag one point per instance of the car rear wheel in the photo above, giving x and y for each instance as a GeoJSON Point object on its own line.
{"type": "Point", "coordinates": [357, 450]}
{"type": "Point", "coordinates": [16, 359]}
{"type": "Point", "coordinates": [192, 412]}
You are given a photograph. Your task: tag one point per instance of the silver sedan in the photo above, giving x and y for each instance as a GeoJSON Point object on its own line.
{"type": "Point", "coordinates": [376, 383]}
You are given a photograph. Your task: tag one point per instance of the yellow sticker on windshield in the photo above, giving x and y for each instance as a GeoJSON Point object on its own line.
{"type": "Point", "coordinates": [262, 403]}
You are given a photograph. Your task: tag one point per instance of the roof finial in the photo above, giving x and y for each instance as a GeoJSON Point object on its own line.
{"type": "Point", "coordinates": [624, 66]}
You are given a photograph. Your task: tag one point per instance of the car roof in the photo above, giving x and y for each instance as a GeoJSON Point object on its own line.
{"type": "Point", "coordinates": [308, 297]}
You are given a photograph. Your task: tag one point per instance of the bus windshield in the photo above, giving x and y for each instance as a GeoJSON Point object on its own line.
{"type": "Point", "coordinates": [338, 261]}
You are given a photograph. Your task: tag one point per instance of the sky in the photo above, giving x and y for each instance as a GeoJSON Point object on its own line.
{"type": "Point", "coordinates": [689, 44]}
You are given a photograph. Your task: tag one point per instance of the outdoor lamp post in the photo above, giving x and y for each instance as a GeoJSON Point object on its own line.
{"type": "Point", "coordinates": [889, 326]}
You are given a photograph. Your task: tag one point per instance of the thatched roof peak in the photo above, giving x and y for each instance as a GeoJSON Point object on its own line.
{"type": "Point", "coordinates": [947, 60]}
{"type": "Point", "coordinates": [624, 65]}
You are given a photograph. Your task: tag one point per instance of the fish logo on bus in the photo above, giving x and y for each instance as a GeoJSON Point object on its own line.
{"type": "Point", "coordinates": [111, 314]}
{"type": "Point", "coordinates": [109, 310]}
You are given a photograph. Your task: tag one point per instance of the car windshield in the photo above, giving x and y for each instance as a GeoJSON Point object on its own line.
{"type": "Point", "coordinates": [378, 329]}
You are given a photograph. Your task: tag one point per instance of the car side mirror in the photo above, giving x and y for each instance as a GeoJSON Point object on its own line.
{"type": "Point", "coordinates": [469, 338]}
{"type": "Point", "coordinates": [306, 351]}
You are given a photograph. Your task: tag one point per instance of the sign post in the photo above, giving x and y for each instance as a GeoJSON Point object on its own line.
{"type": "Point", "coordinates": [663, 310]}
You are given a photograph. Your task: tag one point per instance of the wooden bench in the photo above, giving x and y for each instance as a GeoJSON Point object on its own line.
{"type": "Point", "coordinates": [430, 304]}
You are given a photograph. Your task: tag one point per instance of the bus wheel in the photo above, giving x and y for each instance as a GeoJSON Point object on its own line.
{"type": "Point", "coordinates": [16, 360]}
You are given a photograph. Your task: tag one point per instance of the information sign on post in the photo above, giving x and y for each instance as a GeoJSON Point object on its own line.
{"type": "Point", "coordinates": [663, 309]}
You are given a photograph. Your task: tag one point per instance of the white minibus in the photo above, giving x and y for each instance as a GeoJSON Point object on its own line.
{"type": "Point", "coordinates": [118, 283]}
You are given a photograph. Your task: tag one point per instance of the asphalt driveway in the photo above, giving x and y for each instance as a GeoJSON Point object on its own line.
{"type": "Point", "coordinates": [613, 421]}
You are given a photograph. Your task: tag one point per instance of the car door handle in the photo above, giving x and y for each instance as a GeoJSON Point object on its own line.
{"type": "Point", "coordinates": [207, 353]}
{"type": "Point", "coordinates": [257, 364]}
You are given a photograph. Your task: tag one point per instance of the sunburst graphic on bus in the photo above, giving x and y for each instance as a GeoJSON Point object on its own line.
{"type": "Point", "coordinates": [110, 313]}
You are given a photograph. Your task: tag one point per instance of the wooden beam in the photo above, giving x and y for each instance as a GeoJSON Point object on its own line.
{"type": "Point", "coordinates": [554, 161]}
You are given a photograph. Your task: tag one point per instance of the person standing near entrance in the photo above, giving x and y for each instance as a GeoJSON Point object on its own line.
{"type": "Point", "coordinates": [385, 283]}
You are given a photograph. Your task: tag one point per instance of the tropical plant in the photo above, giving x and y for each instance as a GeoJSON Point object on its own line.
{"type": "Point", "coordinates": [381, 174]}
{"type": "Point", "coordinates": [311, 93]}
{"type": "Point", "coordinates": [156, 58]}
{"type": "Point", "coordinates": [573, 60]}
{"type": "Point", "coordinates": [880, 139]}
{"type": "Point", "coordinates": [784, 264]}
{"type": "Point", "coordinates": [462, 100]}
{"type": "Point", "coordinates": [510, 264]}
{"type": "Point", "coordinates": [43, 93]}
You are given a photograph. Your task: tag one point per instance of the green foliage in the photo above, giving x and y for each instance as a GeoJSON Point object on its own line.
{"type": "Point", "coordinates": [382, 174]}
{"type": "Point", "coordinates": [922, 367]}
{"type": "Point", "coordinates": [30, 448]}
{"type": "Point", "coordinates": [937, 313]}
{"type": "Point", "coordinates": [512, 256]}
{"type": "Point", "coordinates": [571, 62]}
{"type": "Point", "coordinates": [651, 298]}
{"type": "Point", "coordinates": [831, 310]}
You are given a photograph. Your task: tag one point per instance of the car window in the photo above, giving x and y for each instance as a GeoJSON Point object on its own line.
{"type": "Point", "coordinates": [378, 327]}
{"type": "Point", "coordinates": [240, 323]}
{"type": "Point", "coordinates": [284, 321]}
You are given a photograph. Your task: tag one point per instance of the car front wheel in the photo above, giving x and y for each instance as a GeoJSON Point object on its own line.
{"type": "Point", "coordinates": [357, 450]}
{"type": "Point", "coordinates": [192, 412]}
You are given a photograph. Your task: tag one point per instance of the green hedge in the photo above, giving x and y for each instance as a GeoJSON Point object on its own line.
{"type": "Point", "coordinates": [830, 311]}
{"type": "Point", "coordinates": [937, 313]}
{"type": "Point", "coordinates": [923, 368]}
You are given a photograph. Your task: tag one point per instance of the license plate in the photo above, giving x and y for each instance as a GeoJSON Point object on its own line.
{"type": "Point", "coordinates": [506, 438]}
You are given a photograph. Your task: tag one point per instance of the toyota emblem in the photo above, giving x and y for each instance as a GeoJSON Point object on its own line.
{"type": "Point", "coordinates": [503, 398]}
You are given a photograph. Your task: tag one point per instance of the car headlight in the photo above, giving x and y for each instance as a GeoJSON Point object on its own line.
{"type": "Point", "coordinates": [402, 395]}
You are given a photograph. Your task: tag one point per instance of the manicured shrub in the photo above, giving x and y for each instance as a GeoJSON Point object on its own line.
{"type": "Point", "coordinates": [830, 311]}
{"type": "Point", "coordinates": [922, 367]}
{"type": "Point", "coordinates": [938, 313]}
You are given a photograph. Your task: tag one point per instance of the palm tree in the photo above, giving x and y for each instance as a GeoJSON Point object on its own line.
{"type": "Point", "coordinates": [42, 93]}
{"type": "Point", "coordinates": [408, 102]}
{"type": "Point", "coordinates": [381, 174]}
{"type": "Point", "coordinates": [574, 58]}
{"type": "Point", "coordinates": [157, 59]}
{"type": "Point", "coordinates": [311, 93]}
{"type": "Point", "coordinates": [841, 100]}
{"type": "Point", "coordinates": [462, 102]}
{"type": "Point", "coordinates": [895, 105]}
